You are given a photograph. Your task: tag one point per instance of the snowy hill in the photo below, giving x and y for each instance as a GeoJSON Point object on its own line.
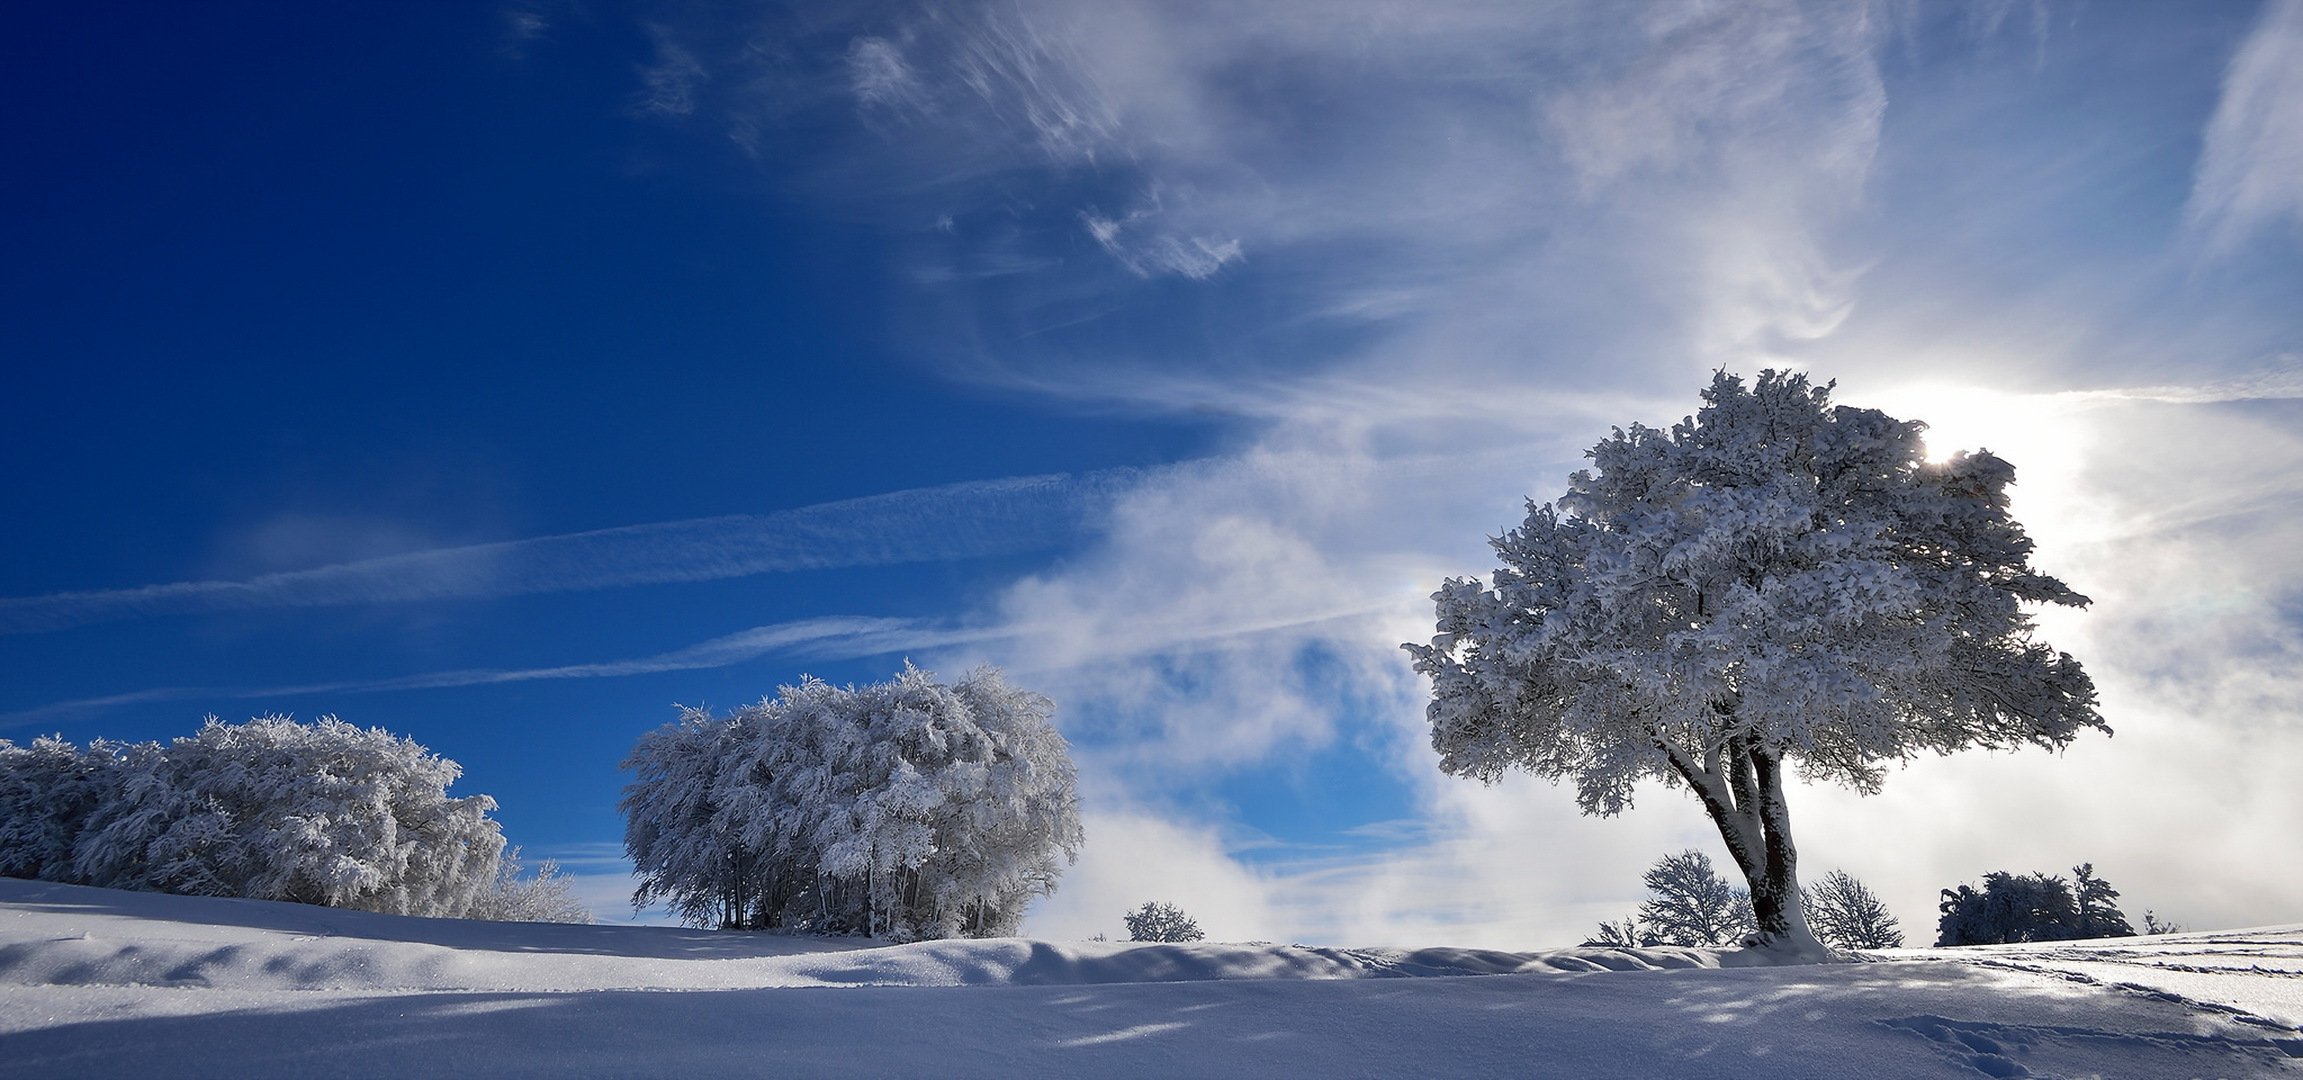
{"type": "Point", "coordinates": [101, 983]}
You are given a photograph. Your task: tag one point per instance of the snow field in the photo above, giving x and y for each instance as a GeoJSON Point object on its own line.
{"type": "Point", "coordinates": [102, 983]}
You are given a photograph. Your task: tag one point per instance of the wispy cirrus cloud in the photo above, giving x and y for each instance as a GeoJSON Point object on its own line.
{"type": "Point", "coordinates": [2250, 175]}
{"type": "Point", "coordinates": [956, 521]}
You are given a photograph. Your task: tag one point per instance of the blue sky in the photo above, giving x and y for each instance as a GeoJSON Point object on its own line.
{"type": "Point", "coordinates": [504, 376]}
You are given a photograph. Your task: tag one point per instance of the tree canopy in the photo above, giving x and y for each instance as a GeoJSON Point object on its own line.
{"type": "Point", "coordinates": [1773, 580]}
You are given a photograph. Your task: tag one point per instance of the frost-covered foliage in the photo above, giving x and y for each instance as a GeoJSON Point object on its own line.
{"type": "Point", "coordinates": [906, 809]}
{"type": "Point", "coordinates": [1846, 914]}
{"type": "Point", "coordinates": [48, 791]}
{"type": "Point", "coordinates": [321, 813]}
{"type": "Point", "coordinates": [1159, 920]}
{"type": "Point", "coordinates": [1774, 580]}
{"type": "Point", "coordinates": [541, 897]}
{"type": "Point", "coordinates": [1688, 903]}
{"type": "Point", "coordinates": [2096, 905]}
{"type": "Point", "coordinates": [2031, 907]}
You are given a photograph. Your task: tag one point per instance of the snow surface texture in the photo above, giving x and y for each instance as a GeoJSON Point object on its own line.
{"type": "Point", "coordinates": [95, 982]}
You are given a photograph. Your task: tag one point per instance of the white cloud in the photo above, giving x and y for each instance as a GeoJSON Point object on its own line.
{"type": "Point", "coordinates": [2250, 175]}
{"type": "Point", "coordinates": [1131, 858]}
{"type": "Point", "coordinates": [1483, 232]}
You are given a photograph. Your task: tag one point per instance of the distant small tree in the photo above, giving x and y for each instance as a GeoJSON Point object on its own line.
{"type": "Point", "coordinates": [541, 897]}
{"type": "Point", "coordinates": [2097, 906]}
{"type": "Point", "coordinates": [1690, 904]}
{"type": "Point", "coordinates": [2152, 925]}
{"type": "Point", "coordinates": [1847, 915]}
{"type": "Point", "coordinates": [1161, 921]}
{"type": "Point", "coordinates": [2031, 907]}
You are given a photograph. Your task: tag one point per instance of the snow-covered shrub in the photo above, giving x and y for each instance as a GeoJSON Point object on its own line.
{"type": "Point", "coordinates": [906, 809]}
{"type": "Point", "coordinates": [1161, 921]}
{"type": "Point", "coordinates": [541, 897]}
{"type": "Point", "coordinates": [2031, 907]}
{"type": "Point", "coordinates": [1772, 583]}
{"type": "Point", "coordinates": [321, 813]}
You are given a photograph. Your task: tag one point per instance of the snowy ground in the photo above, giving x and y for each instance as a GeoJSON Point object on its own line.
{"type": "Point", "coordinates": [101, 983]}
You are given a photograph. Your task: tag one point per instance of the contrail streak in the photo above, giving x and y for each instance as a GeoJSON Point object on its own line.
{"type": "Point", "coordinates": [956, 521]}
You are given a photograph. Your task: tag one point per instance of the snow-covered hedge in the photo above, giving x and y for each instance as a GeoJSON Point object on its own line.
{"type": "Point", "coordinates": [905, 809]}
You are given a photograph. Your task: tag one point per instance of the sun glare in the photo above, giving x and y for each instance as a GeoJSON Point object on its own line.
{"type": "Point", "coordinates": [2045, 436]}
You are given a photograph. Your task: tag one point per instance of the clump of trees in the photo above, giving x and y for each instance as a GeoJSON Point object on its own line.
{"type": "Point", "coordinates": [1690, 904]}
{"type": "Point", "coordinates": [272, 809]}
{"type": "Point", "coordinates": [1774, 584]}
{"type": "Point", "coordinates": [1158, 920]}
{"type": "Point", "coordinates": [2032, 907]}
{"type": "Point", "coordinates": [903, 810]}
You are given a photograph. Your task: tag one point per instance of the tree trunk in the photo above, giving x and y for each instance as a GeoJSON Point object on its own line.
{"type": "Point", "coordinates": [1741, 787]}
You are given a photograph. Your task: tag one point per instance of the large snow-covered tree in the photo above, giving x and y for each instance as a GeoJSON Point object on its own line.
{"type": "Point", "coordinates": [1774, 583]}
{"type": "Point", "coordinates": [905, 809]}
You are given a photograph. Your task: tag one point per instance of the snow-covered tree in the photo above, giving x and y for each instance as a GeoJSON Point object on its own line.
{"type": "Point", "coordinates": [2008, 908]}
{"type": "Point", "coordinates": [1159, 920]}
{"type": "Point", "coordinates": [683, 856]}
{"type": "Point", "coordinates": [1773, 583]}
{"type": "Point", "coordinates": [1848, 915]}
{"type": "Point", "coordinates": [905, 809]}
{"type": "Point", "coordinates": [320, 813]}
{"type": "Point", "coordinates": [2031, 907]}
{"type": "Point", "coordinates": [2095, 906]}
{"type": "Point", "coordinates": [515, 896]}
{"type": "Point", "coordinates": [1688, 903]}
{"type": "Point", "coordinates": [48, 790]}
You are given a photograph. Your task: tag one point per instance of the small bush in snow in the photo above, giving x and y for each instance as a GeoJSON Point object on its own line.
{"type": "Point", "coordinates": [1161, 921]}
{"type": "Point", "coordinates": [2031, 907]}
{"type": "Point", "coordinates": [542, 897]}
